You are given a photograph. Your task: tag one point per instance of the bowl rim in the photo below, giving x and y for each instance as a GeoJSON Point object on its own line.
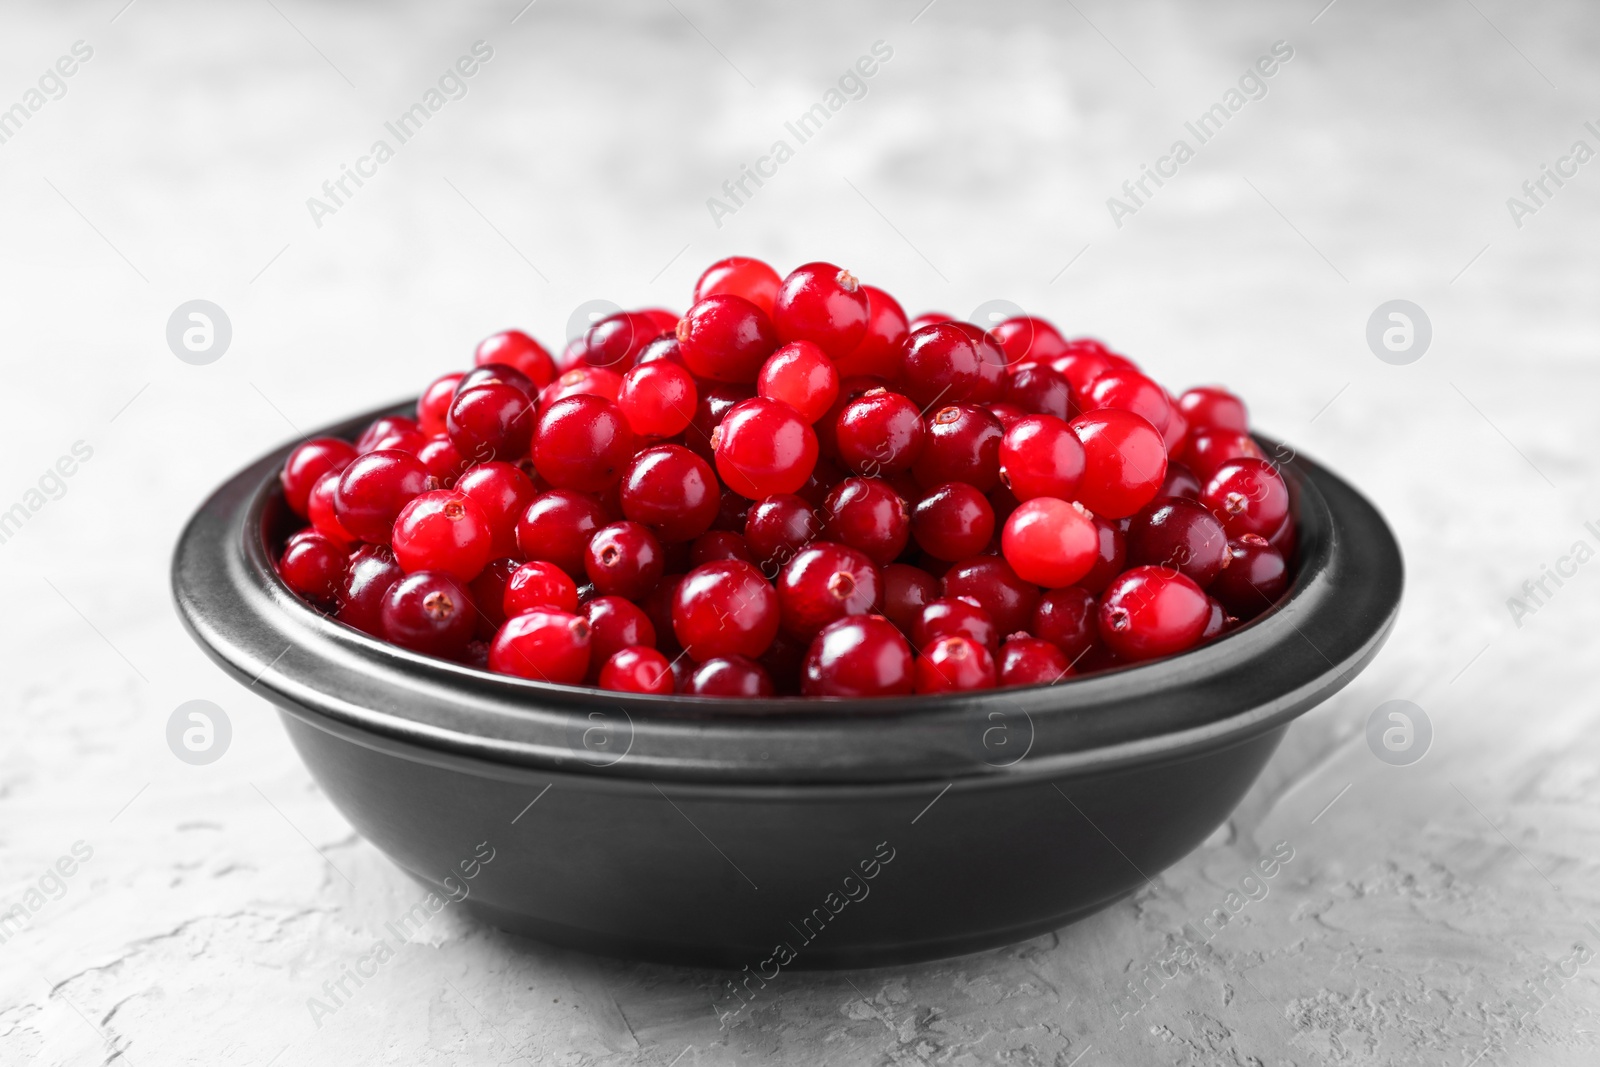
{"type": "Point", "coordinates": [1339, 609]}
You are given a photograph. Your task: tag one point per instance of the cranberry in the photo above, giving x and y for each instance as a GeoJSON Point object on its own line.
{"type": "Point", "coordinates": [1039, 391]}
{"type": "Point", "coordinates": [1217, 623]}
{"type": "Point", "coordinates": [491, 421]}
{"type": "Point", "coordinates": [1031, 661]}
{"type": "Point", "coordinates": [1068, 619]}
{"type": "Point", "coordinates": [1113, 554]}
{"type": "Point", "coordinates": [726, 339]}
{"type": "Point", "coordinates": [1210, 450]}
{"type": "Point", "coordinates": [663, 349]}
{"type": "Point", "coordinates": [858, 656]}
{"type": "Point", "coordinates": [1211, 408]}
{"type": "Point", "coordinates": [782, 662]}
{"type": "Point", "coordinates": [906, 591]}
{"type": "Point", "coordinates": [1128, 391]}
{"type": "Point", "coordinates": [740, 276]}
{"type": "Point", "coordinates": [624, 559]}
{"type": "Point", "coordinates": [1180, 481]}
{"type": "Point", "coordinates": [867, 515]}
{"type": "Point", "coordinates": [763, 447]}
{"type": "Point", "coordinates": [671, 490]}
{"type": "Point", "coordinates": [368, 576]}
{"type": "Point", "coordinates": [961, 444]}
{"type": "Point", "coordinates": [955, 664]}
{"type": "Point", "coordinates": [1248, 497]}
{"type": "Point", "coordinates": [443, 531]}
{"type": "Point", "coordinates": [549, 646]}
{"type": "Point", "coordinates": [615, 340]}
{"type": "Point", "coordinates": [665, 321]}
{"type": "Point", "coordinates": [992, 375]}
{"type": "Point", "coordinates": [947, 617]}
{"type": "Point", "coordinates": [520, 351]}
{"type": "Point", "coordinates": [879, 432]}
{"type": "Point", "coordinates": [929, 318]}
{"type": "Point", "coordinates": [801, 375]}
{"type": "Point", "coordinates": [503, 493]}
{"type": "Point", "coordinates": [821, 303]}
{"type": "Point", "coordinates": [953, 521]}
{"type": "Point", "coordinates": [538, 585]}
{"type": "Point", "coordinates": [1149, 612]}
{"type": "Point", "coordinates": [557, 527]}
{"type": "Point", "coordinates": [1180, 534]}
{"type": "Point", "coordinates": [824, 476]}
{"type": "Point", "coordinates": [374, 488]}
{"type": "Point", "coordinates": [724, 609]}
{"type": "Point", "coordinates": [1283, 539]}
{"type": "Point", "coordinates": [712, 408]}
{"type": "Point", "coordinates": [879, 350]}
{"type": "Point", "coordinates": [1255, 577]}
{"type": "Point", "coordinates": [637, 670]}
{"type": "Point", "coordinates": [1050, 542]}
{"type": "Point", "coordinates": [1041, 456]}
{"type": "Point", "coordinates": [615, 624]}
{"type": "Point", "coordinates": [1175, 435]}
{"type": "Point", "coordinates": [990, 581]}
{"type": "Point", "coordinates": [387, 427]}
{"type": "Point", "coordinates": [658, 399]}
{"type": "Point", "coordinates": [442, 460]}
{"type": "Point", "coordinates": [714, 545]}
{"type": "Point", "coordinates": [730, 676]}
{"type": "Point", "coordinates": [777, 528]}
{"type": "Point", "coordinates": [657, 608]}
{"type": "Point", "coordinates": [582, 381]}
{"type": "Point", "coordinates": [434, 404]}
{"type": "Point", "coordinates": [488, 591]}
{"type": "Point", "coordinates": [321, 511]}
{"type": "Point", "coordinates": [314, 567]}
{"type": "Point", "coordinates": [1008, 414]}
{"type": "Point", "coordinates": [583, 443]}
{"type": "Point", "coordinates": [307, 464]}
{"type": "Point", "coordinates": [940, 364]}
{"type": "Point", "coordinates": [823, 583]}
{"type": "Point", "coordinates": [496, 374]}
{"type": "Point", "coordinates": [1125, 462]}
{"type": "Point", "coordinates": [429, 612]}
{"type": "Point", "coordinates": [1025, 338]}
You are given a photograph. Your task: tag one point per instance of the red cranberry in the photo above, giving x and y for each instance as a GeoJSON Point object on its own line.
{"type": "Point", "coordinates": [658, 399]}
{"type": "Point", "coordinates": [637, 670]}
{"type": "Point", "coordinates": [388, 427]}
{"type": "Point", "coordinates": [615, 624]}
{"type": "Point", "coordinates": [537, 585]}
{"type": "Point", "coordinates": [548, 646]}
{"type": "Point", "coordinates": [825, 582]}
{"type": "Point", "coordinates": [1211, 408]}
{"type": "Point", "coordinates": [740, 276]}
{"type": "Point", "coordinates": [821, 303]}
{"type": "Point", "coordinates": [443, 531]}
{"type": "Point", "coordinates": [992, 375]}
{"type": "Point", "coordinates": [1133, 392]}
{"type": "Point", "coordinates": [955, 664]}
{"type": "Point", "coordinates": [1041, 456]}
{"type": "Point", "coordinates": [307, 464]}
{"type": "Point", "coordinates": [497, 374]}
{"type": "Point", "coordinates": [867, 515]}
{"type": "Point", "coordinates": [520, 351]}
{"type": "Point", "coordinates": [1069, 619]}
{"type": "Point", "coordinates": [929, 318]}
{"type": "Point", "coordinates": [730, 676]}
{"type": "Point", "coordinates": [1008, 414]}
{"type": "Point", "coordinates": [320, 509]}
{"type": "Point", "coordinates": [763, 447]}
{"type": "Point", "coordinates": [906, 591]}
{"type": "Point", "coordinates": [583, 443]}
{"type": "Point", "coordinates": [990, 581]}
{"type": "Point", "coordinates": [368, 576]}
{"type": "Point", "coordinates": [1125, 462]}
{"type": "Point", "coordinates": [314, 567]}
{"type": "Point", "coordinates": [714, 404]}
{"type": "Point", "coordinates": [778, 527]}
{"type": "Point", "coordinates": [624, 559]}
{"type": "Point", "coordinates": [801, 375]}
{"type": "Point", "coordinates": [961, 444]}
{"type": "Point", "coordinates": [1039, 391]}
{"type": "Point", "coordinates": [491, 421]}
{"type": "Point", "coordinates": [557, 527]}
{"type": "Point", "coordinates": [488, 591]}
{"type": "Point", "coordinates": [615, 340]}
{"type": "Point", "coordinates": [726, 339]}
{"type": "Point", "coordinates": [953, 521]}
{"type": "Point", "coordinates": [434, 404]}
{"type": "Point", "coordinates": [503, 493]}
{"type": "Point", "coordinates": [1050, 542]}
{"type": "Point", "coordinates": [1025, 338]}
{"type": "Point", "coordinates": [879, 350]}
{"type": "Point", "coordinates": [1031, 661]}
{"type": "Point", "coordinates": [374, 488]}
{"type": "Point", "coordinates": [1180, 534]}
{"type": "Point", "coordinates": [940, 365]}
{"type": "Point", "coordinates": [1210, 450]}
{"type": "Point", "coordinates": [947, 617]}
{"type": "Point", "coordinates": [671, 490]}
{"type": "Point", "coordinates": [878, 433]}
{"type": "Point", "coordinates": [1180, 481]}
{"type": "Point", "coordinates": [1248, 497]}
{"type": "Point", "coordinates": [665, 321]}
{"type": "Point", "coordinates": [1149, 612]}
{"type": "Point", "coordinates": [443, 461]}
{"type": "Point", "coordinates": [1255, 577]}
{"type": "Point", "coordinates": [858, 656]}
{"type": "Point", "coordinates": [582, 381]}
{"type": "Point", "coordinates": [725, 609]}
{"type": "Point", "coordinates": [1113, 554]}
{"type": "Point", "coordinates": [714, 545]}
{"type": "Point", "coordinates": [429, 612]}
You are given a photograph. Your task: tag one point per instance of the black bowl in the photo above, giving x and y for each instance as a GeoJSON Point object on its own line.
{"type": "Point", "coordinates": [786, 832]}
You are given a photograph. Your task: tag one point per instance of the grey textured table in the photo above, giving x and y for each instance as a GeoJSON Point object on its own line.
{"type": "Point", "coordinates": [1423, 903]}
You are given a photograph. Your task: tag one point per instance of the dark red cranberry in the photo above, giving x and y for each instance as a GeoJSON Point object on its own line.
{"type": "Point", "coordinates": [823, 304]}
{"type": "Point", "coordinates": [583, 443]}
{"type": "Point", "coordinates": [434, 404]}
{"type": "Point", "coordinates": [725, 609]}
{"type": "Point", "coordinates": [615, 340]}
{"type": "Point", "coordinates": [955, 664]}
{"type": "Point", "coordinates": [825, 582]}
{"type": "Point", "coordinates": [1008, 414]}
{"type": "Point", "coordinates": [503, 493]}
{"type": "Point", "coordinates": [1180, 534]}
{"type": "Point", "coordinates": [740, 276]}
{"type": "Point", "coordinates": [940, 365]}
{"type": "Point", "coordinates": [961, 444]}
{"type": "Point", "coordinates": [1068, 618]}
{"type": "Point", "coordinates": [731, 511]}
{"type": "Point", "coordinates": [763, 447]}
{"type": "Point", "coordinates": [1028, 660]}
{"type": "Point", "coordinates": [713, 405]}
{"type": "Point", "coordinates": [730, 676]}
{"type": "Point", "coordinates": [308, 463]}
{"type": "Point", "coordinates": [991, 582]}
{"type": "Point", "coordinates": [314, 567]}
{"type": "Point", "coordinates": [992, 374]}
{"type": "Point", "coordinates": [858, 656]}
{"type": "Point", "coordinates": [906, 591]}
{"type": "Point", "coordinates": [783, 661]}
{"type": "Point", "coordinates": [637, 670]}
{"type": "Point", "coordinates": [1210, 408]}
{"type": "Point", "coordinates": [488, 592]}
{"type": "Point", "coordinates": [1254, 579]}
{"type": "Point", "coordinates": [1025, 339]}
{"type": "Point", "coordinates": [1218, 623]}
{"type": "Point", "coordinates": [657, 607]}
{"type": "Point", "coordinates": [953, 521]}
{"type": "Point", "coordinates": [1112, 557]}
{"type": "Point", "coordinates": [443, 531]}
{"type": "Point", "coordinates": [624, 559]}
{"type": "Point", "coordinates": [547, 646]}
{"type": "Point", "coordinates": [947, 616]}
{"type": "Point", "coordinates": [1050, 542]}
{"type": "Point", "coordinates": [538, 586]}
{"type": "Point", "coordinates": [557, 527]}
{"type": "Point", "coordinates": [1149, 612]}
{"type": "Point", "coordinates": [374, 488]}
{"type": "Point", "coordinates": [726, 339]}
{"type": "Point", "coordinates": [1041, 456]}
{"type": "Point", "coordinates": [1248, 497]}
{"type": "Point", "coordinates": [867, 515]}
{"type": "Point", "coordinates": [671, 490]}
{"type": "Point", "coordinates": [824, 476]}
{"type": "Point", "coordinates": [431, 613]}
{"type": "Point", "coordinates": [658, 399]}
{"type": "Point", "coordinates": [1210, 450]}
{"type": "Point", "coordinates": [497, 374]}
{"type": "Point", "coordinates": [1180, 481]}
{"type": "Point", "coordinates": [368, 576]}
{"type": "Point", "coordinates": [491, 421]}
{"type": "Point", "coordinates": [615, 624]}
{"type": "Point", "coordinates": [1125, 462]}
{"type": "Point", "coordinates": [714, 545]}
{"type": "Point", "coordinates": [879, 350]}
{"type": "Point", "coordinates": [1039, 391]}
{"type": "Point", "coordinates": [801, 375]}
{"type": "Point", "coordinates": [663, 349]}
{"type": "Point", "coordinates": [878, 433]}
{"type": "Point", "coordinates": [778, 527]}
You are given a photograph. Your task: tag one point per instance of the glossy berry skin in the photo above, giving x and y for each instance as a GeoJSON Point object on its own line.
{"type": "Point", "coordinates": [496, 374]}
{"type": "Point", "coordinates": [444, 462]}
{"type": "Point", "coordinates": [547, 646]}
{"type": "Point", "coordinates": [1149, 612]}
{"type": "Point", "coordinates": [368, 575]}
{"type": "Point", "coordinates": [1041, 456]}
{"type": "Point", "coordinates": [1025, 338]}
{"type": "Point", "coordinates": [615, 340]}
{"type": "Point", "coordinates": [583, 443]}
{"type": "Point", "coordinates": [1254, 579]}
{"type": "Point", "coordinates": [955, 664]}
{"type": "Point", "coordinates": [878, 433]}
{"type": "Point", "coordinates": [730, 676]}
{"type": "Point", "coordinates": [314, 567]}
{"type": "Point", "coordinates": [671, 490]}
{"type": "Point", "coordinates": [1211, 408]}
{"type": "Point", "coordinates": [1069, 619]}
{"type": "Point", "coordinates": [1008, 414]}
{"type": "Point", "coordinates": [491, 421]}
{"type": "Point", "coordinates": [725, 609]}
{"type": "Point", "coordinates": [726, 339]}
{"type": "Point", "coordinates": [663, 349]}
{"type": "Point", "coordinates": [940, 365]}
{"type": "Point", "coordinates": [624, 559]}
{"type": "Point", "coordinates": [429, 612]}
{"type": "Point", "coordinates": [488, 591]}
{"type": "Point", "coordinates": [952, 521]}
{"type": "Point", "coordinates": [946, 617]}
{"type": "Point", "coordinates": [503, 493]}
{"type": "Point", "coordinates": [443, 531]}
{"type": "Point", "coordinates": [992, 371]}
{"type": "Point", "coordinates": [434, 403]}
{"type": "Point", "coordinates": [1210, 450]}
{"type": "Point", "coordinates": [658, 399]}
{"type": "Point", "coordinates": [557, 527]}
{"type": "Point", "coordinates": [637, 670]}
{"type": "Point", "coordinates": [823, 304]}
{"type": "Point", "coordinates": [537, 585]}
{"type": "Point", "coordinates": [1218, 623]}
{"type": "Point", "coordinates": [740, 276]}
{"type": "Point", "coordinates": [1248, 497]}
{"type": "Point", "coordinates": [801, 375]}
{"type": "Point", "coordinates": [1125, 462]}
{"type": "Point", "coordinates": [825, 582]}
{"type": "Point", "coordinates": [858, 656]}
{"type": "Point", "coordinates": [961, 444]}
{"type": "Point", "coordinates": [373, 489]}
{"type": "Point", "coordinates": [763, 447]}
{"type": "Point", "coordinates": [1039, 391]}
{"type": "Point", "coordinates": [930, 318]}
{"type": "Point", "coordinates": [1031, 661]}
{"type": "Point", "coordinates": [1050, 542]}
{"type": "Point", "coordinates": [387, 427]}
{"type": "Point", "coordinates": [906, 591]}
{"type": "Point", "coordinates": [870, 517]}
{"type": "Point", "coordinates": [307, 464]}
{"type": "Point", "coordinates": [778, 527]}
{"type": "Point", "coordinates": [321, 511]}
{"type": "Point", "coordinates": [1112, 558]}
{"type": "Point", "coordinates": [517, 349]}
{"type": "Point", "coordinates": [582, 381]}
{"type": "Point", "coordinates": [615, 624]}
{"type": "Point", "coordinates": [713, 407]}
{"type": "Point", "coordinates": [990, 581]}
{"type": "Point", "coordinates": [1180, 534]}
{"type": "Point", "coordinates": [879, 350]}
{"type": "Point", "coordinates": [1180, 481]}
{"type": "Point", "coordinates": [1131, 391]}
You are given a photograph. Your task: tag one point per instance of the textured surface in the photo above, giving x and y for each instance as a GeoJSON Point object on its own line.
{"type": "Point", "coordinates": [1417, 909]}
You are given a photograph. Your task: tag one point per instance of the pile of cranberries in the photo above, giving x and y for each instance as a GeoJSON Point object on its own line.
{"type": "Point", "coordinates": [791, 488]}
